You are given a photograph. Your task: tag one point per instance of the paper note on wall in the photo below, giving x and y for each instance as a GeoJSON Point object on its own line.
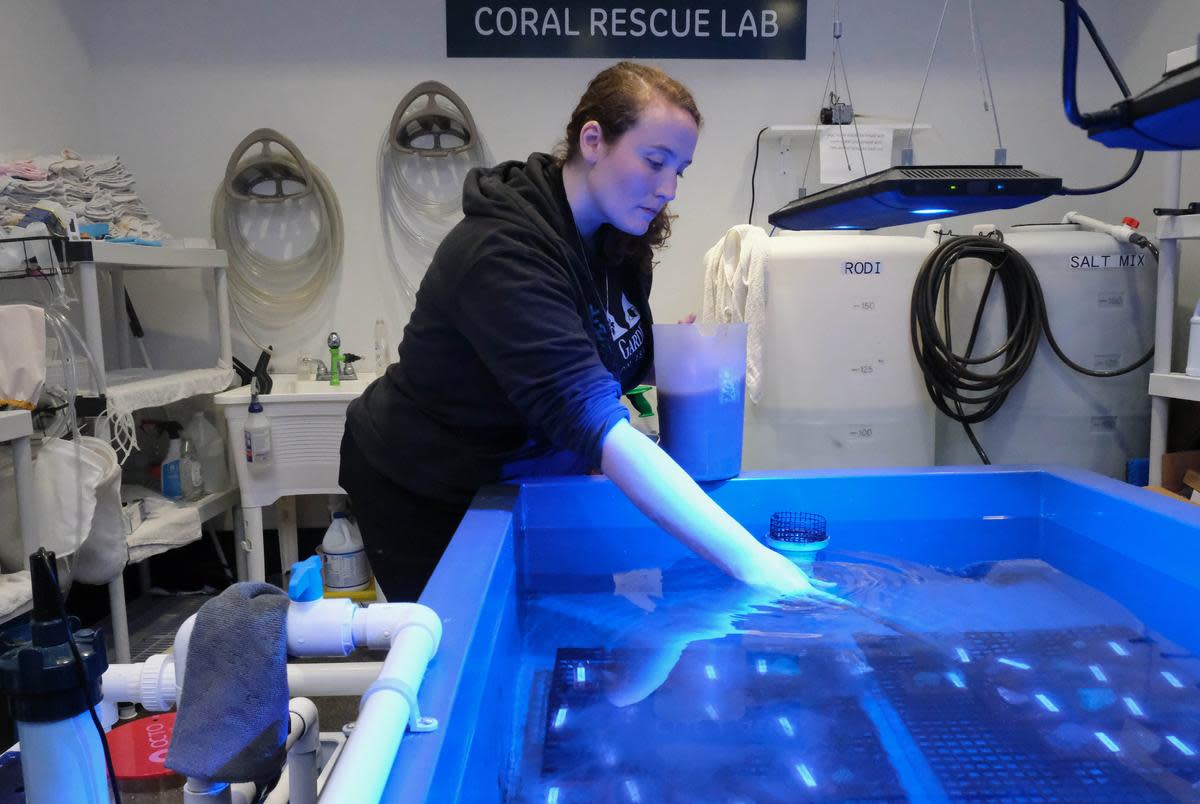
{"type": "Point", "coordinates": [846, 149]}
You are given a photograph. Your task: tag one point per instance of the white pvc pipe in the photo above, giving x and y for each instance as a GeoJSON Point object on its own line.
{"type": "Point", "coordinates": [366, 762]}
{"type": "Point", "coordinates": [304, 740]}
{"type": "Point", "coordinates": [1120, 232]}
{"type": "Point", "coordinates": [335, 678]}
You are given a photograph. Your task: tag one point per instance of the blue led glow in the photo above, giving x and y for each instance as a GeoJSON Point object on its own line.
{"type": "Point", "coordinates": [761, 665]}
{"type": "Point", "coordinates": [999, 186]}
{"type": "Point", "coordinates": [1015, 663]}
{"type": "Point", "coordinates": [1183, 747]}
{"type": "Point", "coordinates": [560, 718]}
{"type": "Point", "coordinates": [1098, 673]}
{"type": "Point", "coordinates": [963, 656]}
{"type": "Point", "coordinates": [580, 674]}
{"type": "Point", "coordinates": [787, 727]}
{"type": "Point", "coordinates": [932, 211]}
{"type": "Point", "coordinates": [956, 680]}
{"type": "Point", "coordinates": [1045, 701]}
{"type": "Point", "coordinates": [1118, 648]}
{"type": "Point", "coordinates": [631, 789]}
{"type": "Point", "coordinates": [806, 776]}
{"type": "Point", "coordinates": [711, 672]}
{"type": "Point", "coordinates": [1108, 742]}
{"type": "Point", "coordinates": [845, 226]}
{"type": "Point", "coordinates": [552, 796]}
{"type": "Point", "coordinates": [1172, 679]}
{"type": "Point", "coordinates": [1133, 707]}
{"type": "Point", "coordinates": [710, 711]}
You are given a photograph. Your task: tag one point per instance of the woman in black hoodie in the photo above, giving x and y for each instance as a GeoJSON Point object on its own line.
{"type": "Point", "coordinates": [531, 320]}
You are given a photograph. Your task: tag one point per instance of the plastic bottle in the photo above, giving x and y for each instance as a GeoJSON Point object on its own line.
{"type": "Point", "coordinates": [257, 432]}
{"type": "Point", "coordinates": [383, 351]}
{"type": "Point", "coordinates": [191, 471]}
{"type": "Point", "coordinates": [172, 483]}
{"type": "Point", "coordinates": [210, 449]}
{"type": "Point", "coordinates": [346, 568]}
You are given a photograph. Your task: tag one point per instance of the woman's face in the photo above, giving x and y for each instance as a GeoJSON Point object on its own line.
{"type": "Point", "coordinates": [634, 177]}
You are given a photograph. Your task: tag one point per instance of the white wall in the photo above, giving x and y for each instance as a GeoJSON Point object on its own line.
{"type": "Point", "coordinates": [178, 85]}
{"type": "Point", "coordinates": [45, 79]}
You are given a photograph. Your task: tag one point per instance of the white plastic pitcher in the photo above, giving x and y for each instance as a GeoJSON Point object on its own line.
{"type": "Point", "coordinates": [700, 372]}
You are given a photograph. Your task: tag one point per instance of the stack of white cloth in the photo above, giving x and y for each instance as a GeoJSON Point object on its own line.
{"type": "Point", "coordinates": [735, 291]}
{"type": "Point", "coordinates": [97, 190]}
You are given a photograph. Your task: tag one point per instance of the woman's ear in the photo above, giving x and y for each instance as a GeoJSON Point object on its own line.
{"type": "Point", "coordinates": [591, 142]}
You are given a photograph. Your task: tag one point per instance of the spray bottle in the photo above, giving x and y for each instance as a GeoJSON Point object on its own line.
{"type": "Point", "coordinates": [172, 465]}
{"type": "Point", "coordinates": [257, 434]}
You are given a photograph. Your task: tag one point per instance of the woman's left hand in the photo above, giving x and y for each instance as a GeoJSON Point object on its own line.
{"type": "Point", "coordinates": [690, 318]}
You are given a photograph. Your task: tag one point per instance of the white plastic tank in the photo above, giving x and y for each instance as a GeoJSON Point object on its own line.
{"type": "Point", "coordinates": [1100, 296]}
{"type": "Point", "coordinates": [840, 386]}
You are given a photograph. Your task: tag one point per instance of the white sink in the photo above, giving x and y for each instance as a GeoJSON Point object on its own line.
{"type": "Point", "coordinates": [288, 384]}
{"type": "Point", "coordinates": [286, 388]}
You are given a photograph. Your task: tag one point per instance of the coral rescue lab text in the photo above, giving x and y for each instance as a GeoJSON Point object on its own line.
{"type": "Point", "coordinates": [679, 23]}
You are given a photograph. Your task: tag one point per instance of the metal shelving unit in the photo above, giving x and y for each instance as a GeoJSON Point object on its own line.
{"type": "Point", "coordinates": [1165, 384]}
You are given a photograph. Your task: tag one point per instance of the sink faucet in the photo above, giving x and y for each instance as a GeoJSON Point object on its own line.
{"type": "Point", "coordinates": [323, 373]}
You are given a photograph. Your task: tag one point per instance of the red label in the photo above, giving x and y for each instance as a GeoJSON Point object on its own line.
{"type": "Point", "coordinates": [139, 749]}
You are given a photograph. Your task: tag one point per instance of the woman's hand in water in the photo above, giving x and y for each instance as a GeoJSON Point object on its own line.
{"type": "Point", "coordinates": [771, 571]}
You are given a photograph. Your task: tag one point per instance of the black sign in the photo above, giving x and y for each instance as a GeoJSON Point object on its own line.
{"type": "Point", "coordinates": [729, 29]}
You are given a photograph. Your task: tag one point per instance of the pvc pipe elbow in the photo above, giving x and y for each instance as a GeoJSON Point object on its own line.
{"type": "Point", "coordinates": [304, 733]}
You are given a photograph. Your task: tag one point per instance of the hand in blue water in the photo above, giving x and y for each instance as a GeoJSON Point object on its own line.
{"type": "Point", "coordinates": [775, 573]}
{"type": "Point", "coordinates": [701, 605]}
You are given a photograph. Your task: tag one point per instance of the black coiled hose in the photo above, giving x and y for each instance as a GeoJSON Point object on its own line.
{"type": "Point", "coordinates": [955, 379]}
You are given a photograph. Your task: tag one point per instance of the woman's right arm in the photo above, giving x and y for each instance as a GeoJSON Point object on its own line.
{"type": "Point", "coordinates": [667, 495]}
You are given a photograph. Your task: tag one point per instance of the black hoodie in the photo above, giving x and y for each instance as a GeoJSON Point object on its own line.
{"type": "Point", "coordinates": [508, 366]}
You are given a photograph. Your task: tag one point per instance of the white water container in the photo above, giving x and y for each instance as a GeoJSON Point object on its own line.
{"type": "Point", "coordinates": [1100, 296]}
{"type": "Point", "coordinates": [345, 562]}
{"type": "Point", "coordinates": [840, 386]}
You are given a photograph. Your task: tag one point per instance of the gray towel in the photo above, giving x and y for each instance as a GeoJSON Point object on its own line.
{"type": "Point", "coordinates": [233, 712]}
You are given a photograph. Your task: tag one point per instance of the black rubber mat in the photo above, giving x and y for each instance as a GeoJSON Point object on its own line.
{"type": "Point", "coordinates": [729, 724]}
{"type": "Point", "coordinates": [1090, 714]}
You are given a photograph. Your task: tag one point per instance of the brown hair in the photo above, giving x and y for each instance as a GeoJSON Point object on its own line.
{"type": "Point", "coordinates": [615, 99]}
